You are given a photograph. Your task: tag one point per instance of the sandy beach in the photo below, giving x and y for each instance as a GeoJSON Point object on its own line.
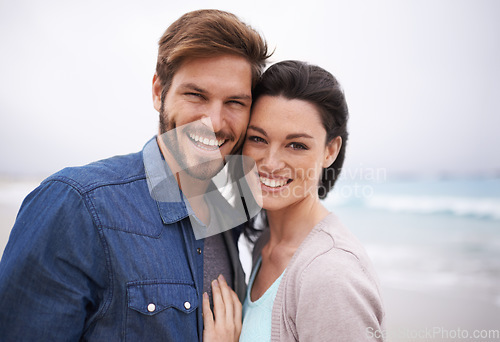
{"type": "Point", "coordinates": [456, 315]}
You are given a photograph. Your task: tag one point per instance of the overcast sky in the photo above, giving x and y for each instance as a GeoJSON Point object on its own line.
{"type": "Point", "coordinates": [422, 78]}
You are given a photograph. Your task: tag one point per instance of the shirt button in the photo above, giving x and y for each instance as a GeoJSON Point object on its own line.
{"type": "Point", "coordinates": [151, 307]}
{"type": "Point", "coordinates": [187, 305]}
{"type": "Point", "coordinates": [198, 250]}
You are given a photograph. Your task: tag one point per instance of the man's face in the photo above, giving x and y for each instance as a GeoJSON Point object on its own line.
{"type": "Point", "coordinates": [208, 104]}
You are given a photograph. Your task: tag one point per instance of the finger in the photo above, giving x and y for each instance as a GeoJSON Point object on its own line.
{"type": "Point", "coordinates": [227, 297]}
{"type": "Point", "coordinates": [208, 317]}
{"type": "Point", "coordinates": [219, 309]}
{"type": "Point", "coordinates": [237, 311]}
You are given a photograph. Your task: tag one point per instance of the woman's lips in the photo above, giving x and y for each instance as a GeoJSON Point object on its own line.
{"type": "Point", "coordinates": [274, 182]}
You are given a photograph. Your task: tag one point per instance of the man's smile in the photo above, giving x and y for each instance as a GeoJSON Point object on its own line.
{"type": "Point", "coordinates": [206, 143]}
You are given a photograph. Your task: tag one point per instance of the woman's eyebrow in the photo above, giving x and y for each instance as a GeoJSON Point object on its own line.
{"type": "Point", "coordinates": [298, 135]}
{"type": "Point", "coordinates": [288, 137]}
{"type": "Point", "coordinates": [258, 129]}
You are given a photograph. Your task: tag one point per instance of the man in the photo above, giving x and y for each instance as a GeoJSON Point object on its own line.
{"type": "Point", "coordinates": [108, 252]}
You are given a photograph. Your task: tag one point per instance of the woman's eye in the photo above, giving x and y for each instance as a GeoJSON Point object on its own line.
{"type": "Point", "coordinates": [255, 138]}
{"type": "Point", "coordinates": [298, 146]}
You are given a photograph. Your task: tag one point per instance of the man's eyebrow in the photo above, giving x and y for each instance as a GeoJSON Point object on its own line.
{"type": "Point", "coordinates": [193, 86]}
{"type": "Point", "coordinates": [258, 129]}
{"type": "Point", "coordinates": [241, 97]}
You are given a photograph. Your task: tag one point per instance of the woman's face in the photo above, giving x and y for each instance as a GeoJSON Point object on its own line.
{"type": "Point", "coordinates": [287, 141]}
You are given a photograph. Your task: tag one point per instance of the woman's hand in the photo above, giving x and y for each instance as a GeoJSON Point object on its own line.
{"type": "Point", "coordinates": [225, 322]}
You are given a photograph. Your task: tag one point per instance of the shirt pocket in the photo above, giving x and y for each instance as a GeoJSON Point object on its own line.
{"type": "Point", "coordinates": [161, 311]}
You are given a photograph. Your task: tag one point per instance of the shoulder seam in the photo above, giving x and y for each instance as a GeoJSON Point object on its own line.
{"type": "Point", "coordinates": [316, 257]}
{"type": "Point", "coordinates": [84, 189]}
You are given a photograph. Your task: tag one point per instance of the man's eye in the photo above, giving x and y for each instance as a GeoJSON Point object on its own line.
{"type": "Point", "coordinates": [237, 103]}
{"type": "Point", "coordinates": [197, 95]}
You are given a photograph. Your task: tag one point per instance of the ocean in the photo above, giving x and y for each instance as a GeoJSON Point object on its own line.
{"type": "Point", "coordinates": [435, 244]}
{"type": "Point", "coordinates": [429, 235]}
{"type": "Point", "coordinates": [425, 235]}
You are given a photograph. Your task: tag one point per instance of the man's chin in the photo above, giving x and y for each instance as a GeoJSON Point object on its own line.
{"type": "Point", "coordinates": [206, 170]}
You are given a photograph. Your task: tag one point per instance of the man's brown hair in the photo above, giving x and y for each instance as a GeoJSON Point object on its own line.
{"type": "Point", "coordinates": [208, 33]}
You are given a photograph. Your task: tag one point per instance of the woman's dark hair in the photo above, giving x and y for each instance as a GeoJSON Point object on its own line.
{"type": "Point", "coordinates": [303, 81]}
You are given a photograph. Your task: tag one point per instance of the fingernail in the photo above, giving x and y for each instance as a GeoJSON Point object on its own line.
{"type": "Point", "coordinates": [215, 283]}
{"type": "Point", "coordinates": [221, 277]}
{"type": "Point", "coordinates": [205, 295]}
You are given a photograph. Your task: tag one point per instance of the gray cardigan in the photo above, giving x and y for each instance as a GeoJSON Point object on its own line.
{"type": "Point", "coordinates": [329, 291]}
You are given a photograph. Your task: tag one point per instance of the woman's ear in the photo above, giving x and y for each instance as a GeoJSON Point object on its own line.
{"type": "Point", "coordinates": [332, 151]}
{"type": "Point", "coordinates": [157, 90]}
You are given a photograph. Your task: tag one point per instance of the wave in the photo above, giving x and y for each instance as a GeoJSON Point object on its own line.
{"type": "Point", "coordinates": [485, 208]}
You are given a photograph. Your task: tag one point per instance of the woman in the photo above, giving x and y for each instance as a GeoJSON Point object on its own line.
{"type": "Point", "coordinates": [311, 279]}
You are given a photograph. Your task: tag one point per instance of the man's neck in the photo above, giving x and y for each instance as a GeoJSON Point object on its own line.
{"type": "Point", "coordinates": [193, 189]}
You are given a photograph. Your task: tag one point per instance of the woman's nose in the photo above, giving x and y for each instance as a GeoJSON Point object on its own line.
{"type": "Point", "coordinates": [272, 161]}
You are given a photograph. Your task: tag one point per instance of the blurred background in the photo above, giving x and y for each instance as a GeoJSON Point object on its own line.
{"type": "Point", "coordinates": [421, 183]}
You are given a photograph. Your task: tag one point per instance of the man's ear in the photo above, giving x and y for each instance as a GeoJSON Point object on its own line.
{"type": "Point", "coordinates": [332, 151]}
{"type": "Point", "coordinates": [157, 90]}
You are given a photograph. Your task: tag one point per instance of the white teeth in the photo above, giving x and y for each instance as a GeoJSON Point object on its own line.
{"type": "Point", "coordinates": [206, 141]}
{"type": "Point", "coordinates": [273, 183]}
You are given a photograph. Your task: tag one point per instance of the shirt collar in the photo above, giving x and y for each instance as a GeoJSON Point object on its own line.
{"type": "Point", "coordinates": [163, 186]}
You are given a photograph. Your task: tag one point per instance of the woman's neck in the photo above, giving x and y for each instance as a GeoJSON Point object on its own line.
{"type": "Point", "coordinates": [290, 226]}
{"type": "Point", "coordinates": [288, 229]}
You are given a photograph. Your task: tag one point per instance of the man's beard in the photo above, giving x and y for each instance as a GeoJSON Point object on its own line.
{"type": "Point", "coordinates": [199, 168]}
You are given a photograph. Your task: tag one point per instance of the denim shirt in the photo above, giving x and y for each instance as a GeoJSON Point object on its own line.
{"type": "Point", "coordinates": [94, 257]}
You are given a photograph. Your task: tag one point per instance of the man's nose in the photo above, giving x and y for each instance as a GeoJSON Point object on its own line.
{"type": "Point", "coordinates": [216, 114]}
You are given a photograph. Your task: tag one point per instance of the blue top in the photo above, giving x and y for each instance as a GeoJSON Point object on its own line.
{"type": "Point", "coordinates": [94, 256]}
{"type": "Point", "coordinates": [257, 314]}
